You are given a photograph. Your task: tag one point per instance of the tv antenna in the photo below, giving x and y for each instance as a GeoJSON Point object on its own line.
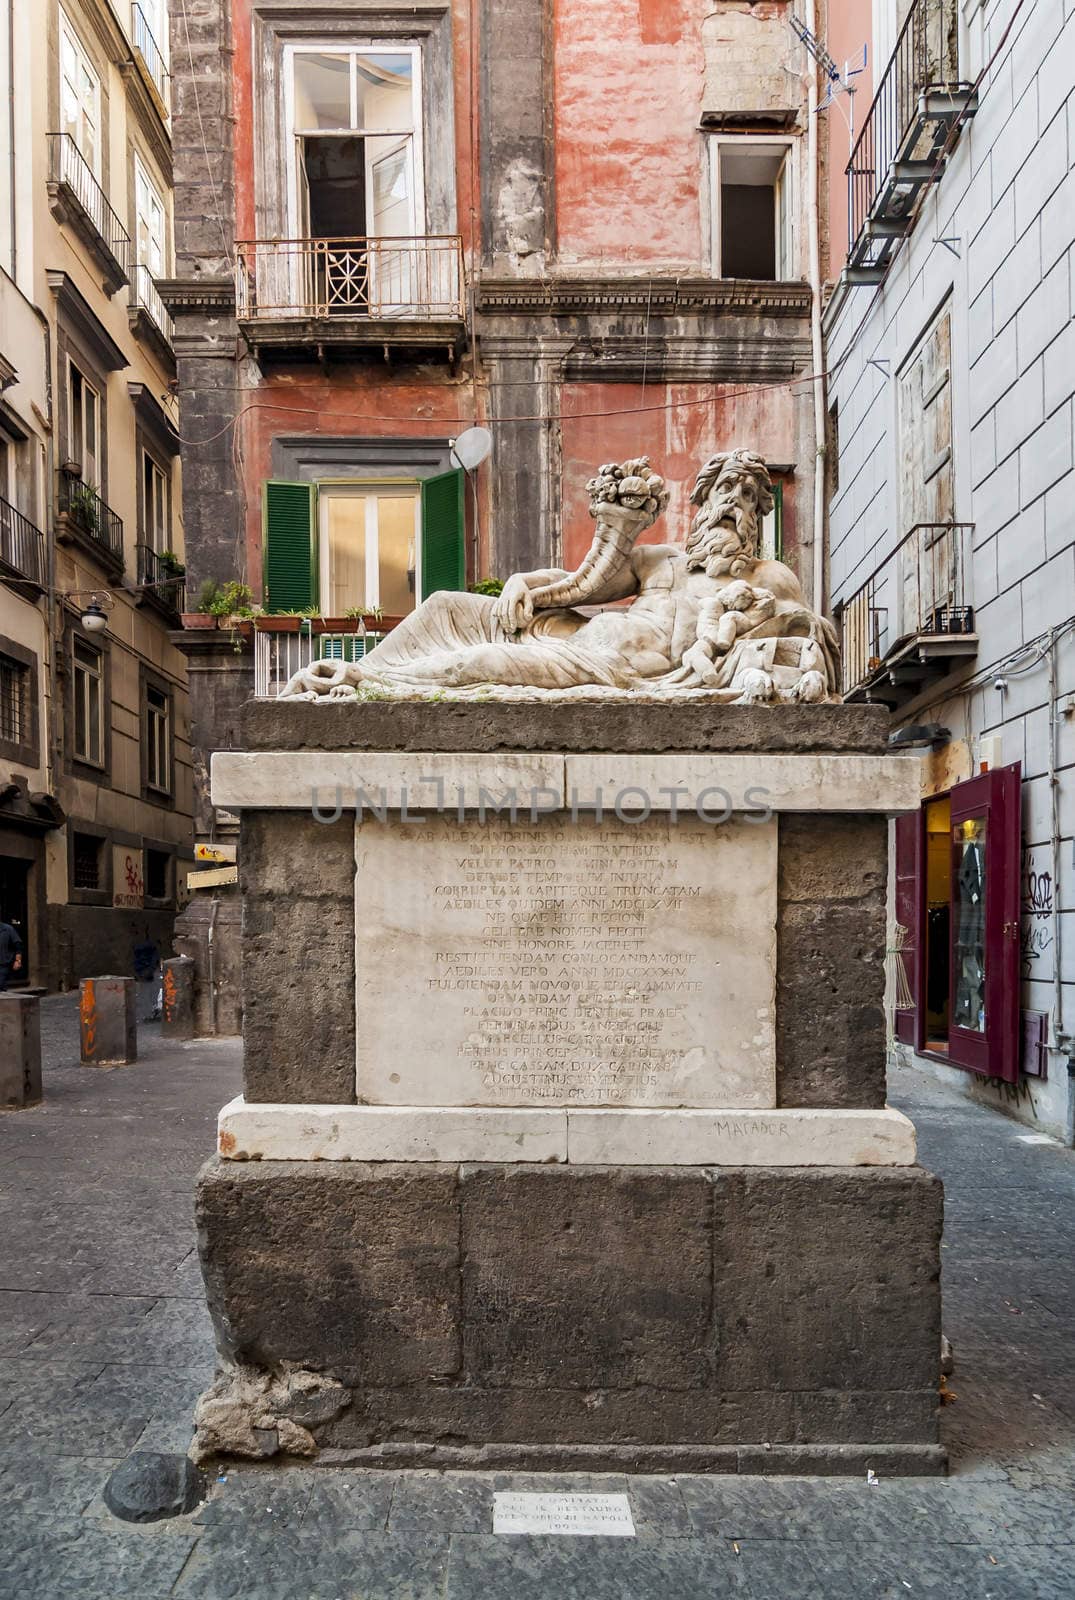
{"type": "Point", "coordinates": [837, 82]}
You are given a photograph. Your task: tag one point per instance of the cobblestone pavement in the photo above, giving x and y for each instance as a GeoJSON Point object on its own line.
{"type": "Point", "coordinates": [104, 1344]}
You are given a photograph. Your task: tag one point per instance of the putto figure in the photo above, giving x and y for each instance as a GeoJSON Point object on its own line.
{"type": "Point", "coordinates": [707, 617]}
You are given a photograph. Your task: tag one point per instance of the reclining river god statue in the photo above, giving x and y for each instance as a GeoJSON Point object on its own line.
{"type": "Point", "coordinates": [710, 618]}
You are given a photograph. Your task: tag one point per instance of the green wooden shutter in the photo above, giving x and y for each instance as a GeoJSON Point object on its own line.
{"type": "Point", "coordinates": [289, 546]}
{"type": "Point", "coordinates": [443, 534]}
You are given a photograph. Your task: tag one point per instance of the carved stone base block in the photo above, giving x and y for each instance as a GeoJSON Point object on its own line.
{"type": "Point", "coordinates": [528, 1315]}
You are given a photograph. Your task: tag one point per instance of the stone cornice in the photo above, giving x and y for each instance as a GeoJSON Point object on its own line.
{"type": "Point", "coordinates": [652, 296]}
{"type": "Point", "coordinates": [195, 294]}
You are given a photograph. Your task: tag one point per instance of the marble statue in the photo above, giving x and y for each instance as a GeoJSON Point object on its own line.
{"type": "Point", "coordinates": [709, 619]}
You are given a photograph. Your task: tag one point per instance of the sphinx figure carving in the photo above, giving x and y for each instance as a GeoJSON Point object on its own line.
{"type": "Point", "coordinates": [709, 619]}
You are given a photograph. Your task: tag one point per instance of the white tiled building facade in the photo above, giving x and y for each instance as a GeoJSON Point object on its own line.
{"type": "Point", "coordinates": [951, 384]}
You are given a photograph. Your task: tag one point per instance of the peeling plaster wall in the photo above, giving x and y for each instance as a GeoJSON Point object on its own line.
{"type": "Point", "coordinates": [677, 442]}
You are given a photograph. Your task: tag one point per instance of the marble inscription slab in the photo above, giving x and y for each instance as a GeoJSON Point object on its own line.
{"type": "Point", "coordinates": [516, 1511]}
{"type": "Point", "coordinates": [603, 964]}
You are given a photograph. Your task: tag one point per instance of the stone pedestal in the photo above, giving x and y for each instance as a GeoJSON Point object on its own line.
{"type": "Point", "coordinates": [20, 1051]}
{"type": "Point", "coordinates": [563, 1138]}
{"type": "Point", "coordinates": [108, 1022]}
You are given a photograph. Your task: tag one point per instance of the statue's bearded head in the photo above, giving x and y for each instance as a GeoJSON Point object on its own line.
{"type": "Point", "coordinates": [733, 491]}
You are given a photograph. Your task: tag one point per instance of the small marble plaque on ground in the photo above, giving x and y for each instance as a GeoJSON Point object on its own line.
{"type": "Point", "coordinates": [608, 1515]}
{"type": "Point", "coordinates": [601, 963]}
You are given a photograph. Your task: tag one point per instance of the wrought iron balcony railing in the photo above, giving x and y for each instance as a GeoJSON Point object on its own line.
{"type": "Point", "coordinates": [145, 297]}
{"type": "Point", "coordinates": [385, 280]}
{"type": "Point", "coordinates": [913, 606]}
{"type": "Point", "coordinates": [77, 198]}
{"type": "Point", "coordinates": [163, 577]}
{"type": "Point", "coordinates": [919, 98]}
{"type": "Point", "coordinates": [22, 546]}
{"type": "Point", "coordinates": [86, 514]}
{"type": "Point", "coordinates": [150, 51]}
{"type": "Point", "coordinates": [277, 656]}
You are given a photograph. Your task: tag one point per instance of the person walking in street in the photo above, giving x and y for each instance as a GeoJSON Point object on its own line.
{"type": "Point", "coordinates": [10, 953]}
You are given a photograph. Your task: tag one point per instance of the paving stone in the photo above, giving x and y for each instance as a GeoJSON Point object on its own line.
{"type": "Point", "coordinates": [343, 1499]}
{"type": "Point", "coordinates": [599, 1569]}
{"type": "Point", "coordinates": [448, 1502]}
{"type": "Point", "coordinates": [53, 1558]}
{"type": "Point", "coordinates": [247, 1495]}
{"type": "Point", "coordinates": [288, 1564]}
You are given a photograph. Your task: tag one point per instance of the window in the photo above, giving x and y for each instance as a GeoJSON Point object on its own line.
{"type": "Point", "coordinates": [14, 702]}
{"type": "Point", "coordinates": [752, 208]}
{"type": "Point", "coordinates": [89, 696]}
{"type": "Point", "coordinates": [158, 885]}
{"type": "Point", "coordinates": [158, 717]}
{"type": "Point", "coordinates": [344, 546]}
{"type": "Point", "coordinates": [957, 900]}
{"type": "Point", "coordinates": [355, 129]}
{"type": "Point", "coordinates": [150, 226]}
{"type": "Point", "coordinates": [86, 861]}
{"type": "Point", "coordinates": [80, 97]}
{"type": "Point", "coordinates": [368, 547]}
{"type": "Point", "coordinates": [771, 543]}
{"type": "Point", "coordinates": [84, 426]}
{"type": "Point", "coordinates": [154, 505]}
{"type": "Point", "coordinates": [155, 18]}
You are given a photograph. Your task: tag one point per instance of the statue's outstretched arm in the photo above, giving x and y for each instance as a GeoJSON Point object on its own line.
{"type": "Point", "coordinates": [624, 501]}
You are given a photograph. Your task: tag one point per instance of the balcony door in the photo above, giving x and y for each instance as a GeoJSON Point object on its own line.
{"type": "Point", "coordinates": [369, 547]}
{"type": "Point", "coordinates": [929, 576]}
{"type": "Point", "coordinates": [357, 180]}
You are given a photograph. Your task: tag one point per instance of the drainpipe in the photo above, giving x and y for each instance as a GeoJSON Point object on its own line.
{"type": "Point", "coordinates": [817, 355]}
{"type": "Point", "coordinates": [11, 138]}
{"type": "Point", "coordinates": [52, 740]}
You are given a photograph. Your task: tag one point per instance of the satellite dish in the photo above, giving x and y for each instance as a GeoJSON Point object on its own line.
{"type": "Point", "coordinates": [471, 447]}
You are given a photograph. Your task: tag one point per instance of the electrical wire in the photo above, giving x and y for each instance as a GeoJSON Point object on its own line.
{"type": "Point", "coordinates": [493, 422]}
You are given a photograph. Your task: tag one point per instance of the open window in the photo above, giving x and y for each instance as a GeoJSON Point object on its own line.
{"type": "Point", "coordinates": [752, 208]}
{"type": "Point", "coordinates": [957, 898]}
{"type": "Point", "coordinates": [362, 545]}
{"type": "Point", "coordinates": [80, 97]}
{"type": "Point", "coordinates": [355, 125]}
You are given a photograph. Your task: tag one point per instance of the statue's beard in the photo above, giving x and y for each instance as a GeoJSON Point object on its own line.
{"type": "Point", "coordinates": [710, 536]}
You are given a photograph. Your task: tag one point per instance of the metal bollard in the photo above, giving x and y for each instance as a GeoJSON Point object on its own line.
{"type": "Point", "coordinates": [106, 1010]}
{"type": "Point", "coordinates": [177, 1002]}
{"type": "Point", "coordinates": [20, 1050]}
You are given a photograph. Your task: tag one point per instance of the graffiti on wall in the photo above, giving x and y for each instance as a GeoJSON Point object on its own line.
{"type": "Point", "coordinates": [1036, 912]}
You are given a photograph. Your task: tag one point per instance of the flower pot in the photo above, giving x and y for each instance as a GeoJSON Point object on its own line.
{"type": "Point", "coordinates": [243, 626]}
{"type": "Point", "coordinates": [279, 624]}
{"type": "Point", "coordinates": [198, 619]}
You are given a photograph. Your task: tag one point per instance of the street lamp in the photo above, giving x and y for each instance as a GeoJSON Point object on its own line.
{"type": "Point", "coordinates": [96, 604]}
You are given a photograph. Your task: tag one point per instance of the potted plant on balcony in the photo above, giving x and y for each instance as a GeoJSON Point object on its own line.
{"type": "Point", "coordinates": [203, 616]}
{"type": "Point", "coordinates": [279, 621]}
{"type": "Point", "coordinates": [349, 622]}
{"type": "Point", "coordinates": [83, 508]}
{"type": "Point", "coordinates": [170, 564]}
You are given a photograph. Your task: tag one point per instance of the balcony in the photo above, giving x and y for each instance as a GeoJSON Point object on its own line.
{"type": "Point", "coordinates": [148, 316]}
{"type": "Point", "coordinates": [278, 656]}
{"type": "Point", "coordinates": [306, 299]}
{"type": "Point", "coordinates": [905, 138]}
{"type": "Point", "coordinates": [83, 518]}
{"type": "Point", "coordinates": [149, 58]}
{"type": "Point", "coordinates": [162, 581]}
{"type": "Point", "coordinates": [909, 625]}
{"type": "Point", "coordinates": [22, 548]}
{"type": "Point", "coordinates": [77, 200]}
